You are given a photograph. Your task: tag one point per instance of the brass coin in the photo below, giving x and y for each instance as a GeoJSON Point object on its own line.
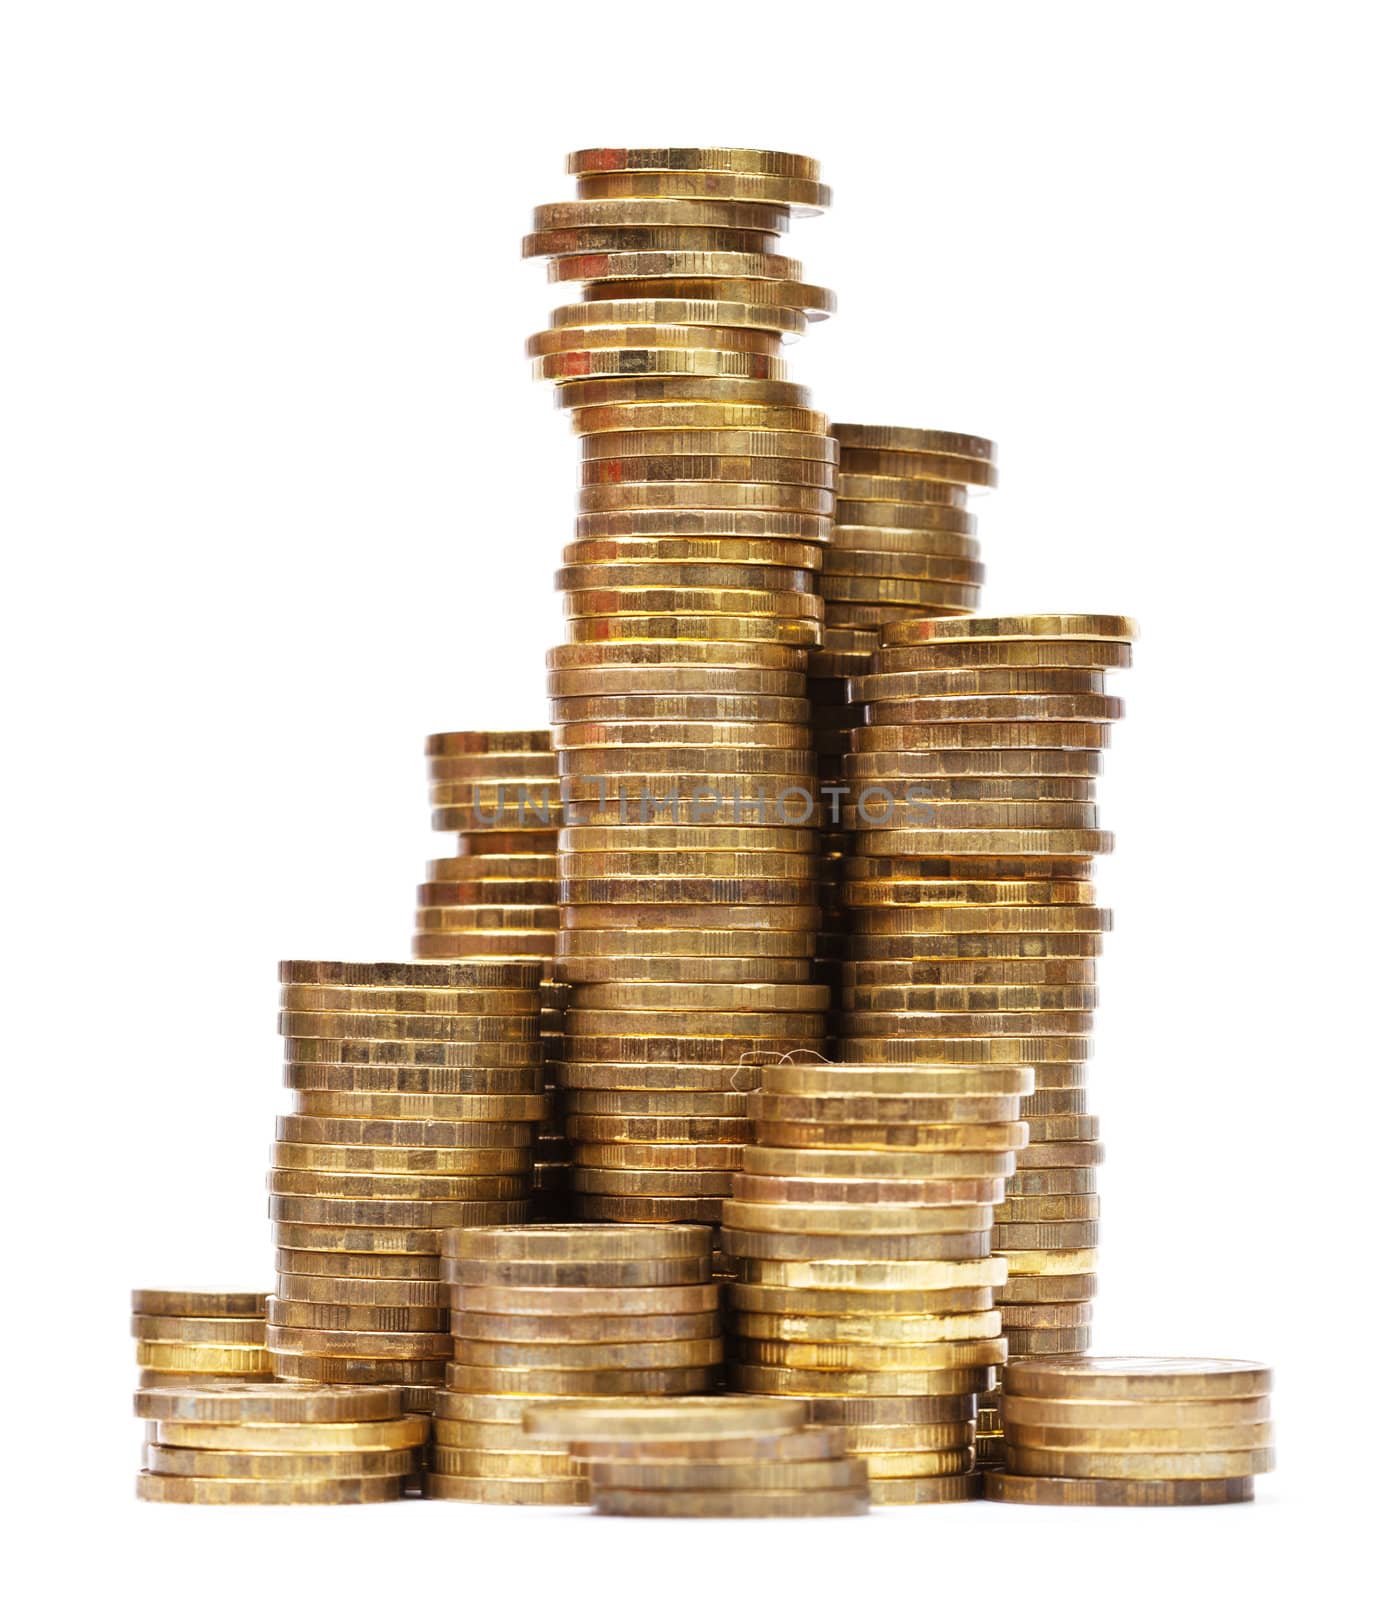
{"type": "Point", "coordinates": [773, 1300]}
{"type": "Point", "coordinates": [413, 974]}
{"type": "Point", "coordinates": [925, 1491]}
{"type": "Point", "coordinates": [580, 1381]}
{"type": "Point", "coordinates": [411, 1052]}
{"type": "Point", "coordinates": [844, 1273]}
{"type": "Point", "coordinates": [397, 1346]}
{"type": "Point", "coordinates": [370, 1240]}
{"type": "Point", "coordinates": [959, 1138]}
{"type": "Point", "coordinates": [1140, 1378]}
{"type": "Point", "coordinates": [864, 1329]}
{"type": "Point", "coordinates": [797, 190]}
{"type": "Point", "coordinates": [890, 1411]}
{"type": "Point", "coordinates": [691, 1419]}
{"type": "Point", "coordinates": [260, 1438]}
{"type": "Point", "coordinates": [348, 1294]}
{"type": "Point", "coordinates": [329, 1316]}
{"type": "Point", "coordinates": [347, 1025]}
{"type": "Point", "coordinates": [890, 1111]}
{"type": "Point", "coordinates": [377, 1159]}
{"type": "Point", "coordinates": [632, 264]}
{"type": "Point", "coordinates": [599, 240]}
{"type": "Point", "coordinates": [731, 1502]}
{"type": "Point", "coordinates": [471, 1461]}
{"type": "Point", "coordinates": [360, 1265]}
{"type": "Point", "coordinates": [813, 1382]}
{"type": "Point", "coordinates": [774, 163]}
{"type": "Point", "coordinates": [356, 1369]}
{"type": "Point", "coordinates": [659, 1078]}
{"type": "Point", "coordinates": [661, 213]}
{"type": "Point", "coordinates": [548, 1303]}
{"type": "Point", "coordinates": [1112, 1414]}
{"type": "Point", "coordinates": [662, 998]}
{"type": "Point", "coordinates": [776, 444]}
{"type": "Point", "coordinates": [248, 1403]}
{"type": "Point", "coordinates": [751, 1244]}
{"type": "Point", "coordinates": [1125, 1440]}
{"type": "Point", "coordinates": [866, 1192]}
{"type": "Point", "coordinates": [648, 1208]}
{"type": "Point", "coordinates": [392, 1131]}
{"type": "Point", "coordinates": [731, 391]}
{"type": "Point", "coordinates": [550, 1491]}
{"type": "Point", "coordinates": [201, 1330]}
{"type": "Point", "coordinates": [602, 1023]}
{"type": "Point", "coordinates": [665, 311]}
{"type": "Point", "coordinates": [796, 1078]}
{"type": "Point", "coordinates": [920, 1165]}
{"type": "Point", "coordinates": [155, 1487]}
{"type": "Point", "coordinates": [1011, 1489]}
{"type": "Point", "coordinates": [1107, 1464]}
{"type": "Point", "coordinates": [235, 1360]}
{"type": "Point", "coordinates": [439, 1001]}
{"type": "Point", "coordinates": [730, 1476]}
{"type": "Point", "coordinates": [657, 1130]}
{"type": "Point", "coordinates": [861, 1220]}
{"type": "Point", "coordinates": [566, 1242]}
{"type": "Point", "coordinates": [663, 1157]}
{"type": "Point", "coordinates": [921, 441]}
{"type": "Point", "coordinates": [473, 1108]}
{"type": "Point", "coordinates": [412, 1080]}
{"type": "Point", "coordinates": [871, 1357]}
{"type": "Point", "coordinates": [170, 1460]}
{"type": "Point", "coordinates": [199, 1302]}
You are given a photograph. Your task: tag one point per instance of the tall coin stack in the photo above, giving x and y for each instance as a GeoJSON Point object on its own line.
{"type": "Point", "coordinates": [903, 546]}
{"type": "Point", "coordinates": [418, 1091]}
{"type": "Point", "coordinates": [568, 1309]}
{"type": "Point", "coordinates": [200, 1336]}
{"type": "Point", "coordinates": [498, 792]}
{"type": "Point", "coordinates": [861, 1226]}
{"type": "Point", "coordinates": [705, 1456]}
{"type": "Point", "coordinates": [688, 884]}
{"type": "Point", "coordinates": [277, 1444]}
{"type": "Point", "coordinates": [971, 905]}
{"type": "Point", "coordinates": [1122, 1431]}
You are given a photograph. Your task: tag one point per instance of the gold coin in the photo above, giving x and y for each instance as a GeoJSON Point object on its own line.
{"type": "Point", "coordinates": [1115, 1464]}
{"type": "Point", "coordinates": [332, 1264]}
{"type": "Point", "coordinates": [925, 1491]}
{"type": "Point", "coordinates": [513, 1327]}
{"type": "Point", "coordinates": [412, 1052]}
{"type": "Point", "coordinates": [528, 1491]}
{"type": "Point", "coordinates": [204, 1463]}
{"type": "Point", "coordinates": [562, 1242]}
{"type": "Point", "coordinates": [989, 919]}
{"type": "Point", "coordinates": [632, 418]}
{"type": "Point", "coordinates": [414, 974]}
{"type": "Point", "coordinates": [628, 681]}
{"type": "Point", "coordinates": [1011, 1489]}
{"type": "Point", "coordinates": [1044, 708]}
{"type": "Point", "coordinates": [663, 312]}
{"type": "Point", "coordinates": [602, 1022]}
{"type": "Point", "coordinates": [656, 391]}
{"type": "Point", "coordinates": [1049, 1263]}
{"type": "Point", "coordinates": [1059, 626]}
{"type": "Point", "coordinates": [859, 1328]}
{"type": "Point", "coordinates": [662, 1157]}
{"type": "Point", "coordinates": [1049, 1208]}
{"type": "Point", "coordinates": [660, 213]}
{"type": "Point", "coordinates": [371, 1240]}
{"type": "Point", "coordinates": [1129, 1441]}
{"type": "Point", "coordinates": [235, 1360]}
{"type": "Point", "coordinates": [691, 1419]}
{"type": "Point", "coordinates": [648, 1208]}
{"type": "Point", "coordinates": [673, 969]}
{"type": "Point", "coordinates": [919, 466]}
{"type": "Point", "coordinates": [841, 1272]}
{"type": "Point", "coordinates": [659, 1078]}
{"type": "Point", "coordinates": [397, 1346]}
{"type": "Point", "coordinates": [939, 509]}
{"type": "Point", "coordinates": [472, 1462]}
{"type": "Point", "coordinates": [973, 998]}
{"type": "Point", "coordinates": [971, 655]}
{"type": "Point", "coordinates": [157, 1487]}
{"type": "Point", "coordinates": [955, 1138]}
{"type": "Point", "coordinates": [657, 1130]}
{"type": "Point", "coordinates": [887, 1412]}
{"type": "Point", "coordinates": [867, 488]}
{"type": "Point", "coordinates": [344, 1024]}
{"type": "Point", "coordinates": [762, 264]}
{"type": "Point", "coordinates": [799, 631]}
{"type": "Point", "coordinates": [582, 1381]}
{"type": "Point", "coordinates": [484, 1435]}
{"type": "Point", "coordinates": [885, 1109]}
{"type": "Point", "coordinates": [420, 1318]}
{"type": "Point", "coordinates": [660, 1103]}
{"type": "Point", "coordinates": [724, 864]}
{"type": "Point", "coordinates": [856, 436]}
{"type": "Point", "coordinates": [573, 366]}
{"type": "Point", "coordinates": [882, 1164]}
{"type": "Point", "coordinates": [420, 1081]}
{"type": "Point", "coordinates": [546, 1304]}
{"type": "Point", "coordinates": [685, 943]}
{"type": "Point", "coordinates": [799, 1078]}
{"type": "Point", "coordinates": [856, 1247]}
{"type": "Point", "coordinates": [301, 1368]}
{"type": "Point", "coordinates": [709, 468]}
{"type": "Point", "coordinates": [836, 1191]}
{"type": "Point", "coordinates": [676, 236]}
{"type": "Point", "coordinates": [853, 1501]}
{"type": "Point", "coordinates": [201, 1330]}
{"type": "Point", "coordinates": [660, 1273]}
{"type": "Point", "coordinates": [699, 1050]}
{"type": "Point", "coordinates": [246, 1404]}
{"type": "Point", "coordinates": [316, 1130]}
{"type": "Point", "coordinates": [199, 1302]}
{"type": "Point", "coordinates": [297, 1437]}
{"type": "Point", "coordinates": [349, 1294]}
{"type": "Point", "coordinates": [447, 1107]}
{"type": "Point", "coordinates": [1108, 1415]}
{"type": "Point", "coordinates": [743, 1476]}
{"type": "Point", "coordinates": [1011, 682]}
{"type": "Point", "coordinates": [1140, 1378]}
{"type": "Point", "coordinates": [683, 178]}
{"type": "Point", "coordinates": [844, 1219]}
{"type": "Point", "coordinates": [433, 1001]}
{"type": "Point", "coordinates": [649, 1182]}
{"type": "Point", "coordinates": [1056, 1181]}
{"type": "Point", "coordinates": [809, 1444]}
{"type": "Point", "coordinates": [703, 494]}
{"type": "Point", "coordinates": [774, 163]}
{"type": "Point", "coordinates": [384, 1159]}
{"type": "Point", "coordinates": [731, 560]}
{"type": "Point", "coordinates": [764, 443]}
{"type": "Point", "coordinates": [974, 735]}
{"type": "Point", "coordinates": [658, 998]}
{"type": "Point", "coordinates": [812, 1382]}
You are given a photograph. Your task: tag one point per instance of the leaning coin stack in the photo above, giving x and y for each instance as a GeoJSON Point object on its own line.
{"type": "Point", "coordinates": [903, 545]}
{"type": "Point", "coordinates": [200, 1336]}
{"type": "Point", "coordinates": [1122, 1431]}
{"type": "Point", "coordinates": [499, 792]}
{"type": "Point", "coordinates": [705, 1456]}
{"type": "Point", "coordinates": [563, 1309]}
{"type": "Point", "coordinates": [862, 1226]}
{"type": "Point", "coordinates": [277, 1444]}
{"type": "Point", "coordinates": [969, 894]}
{"type": "Point", "coordinates": [418, 1091]}
{"type": "Point", "coordinates": [688, 886]}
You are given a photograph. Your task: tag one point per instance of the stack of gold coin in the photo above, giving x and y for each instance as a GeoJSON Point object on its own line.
{"type": "Point", "coordinates": [687, 876]}
{"type": "Point", "coordinates": [563, 1309]}
{"type": "Point", "coordinates": [418, 1091]}
{"type": "Point", "coordinates": [1132, 1431]}
{"type": "Point", "coordinates": [200, 1336]}
{"type": "Point", "coordinates": [499, 791]}
{"type": "Point", "coordinates": [705, 1456]}
{"type": "Point", "coordinates": [861, 1222]}
{"type": "Point", "coordinates": [277, 1444]}
{"type": "Point", "coordinates": [903, 545]}
{"type": "Point", "coordinates": [974, 932]}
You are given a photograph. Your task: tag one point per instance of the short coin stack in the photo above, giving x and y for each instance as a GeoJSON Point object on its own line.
{"type": "Point", "coordinates": [277, 1444]}
{"type": "Point", "coordinates": [861, 1223]}
{"type": "Point", "coordinates": [1120, 1431]}
{"type": "Point", "coordinates": [568, 1309]}
{"type": "Point", "coordinates": [688, 887]}
{"type": "Point", "coordinates": [418, 1090]}
{"type": "Point", "coordinates": [903, 545]}
{"type": "Point", "coordinates": [707, 1456]}
{"type": "Point", "coordinates": [200, 1336]}
{"type": "Point", "coordinates": [969, 895]}
{"type": "Point", "coordinates": [499, 792]}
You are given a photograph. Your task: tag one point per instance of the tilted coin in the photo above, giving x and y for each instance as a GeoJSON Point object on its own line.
{"type": "Point", "coordinates": [711, 182]}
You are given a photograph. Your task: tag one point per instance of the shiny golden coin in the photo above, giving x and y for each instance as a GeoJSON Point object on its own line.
{"type": "Point", "coordinates": [514, 1327]}
{"type": "Point", "coordinates": [863, 1329]}
{"type": "Point", "coordinates": [360, 1265]}
{"type": "Point", "coordinates": [681, 494]}
{"type": "Point", "coordinates": [855, 436]}
{"type": "Point", "coordinates": [201, 1330]}
{"type": "Point", "coordinates": [1023, 1342]}
{"type": "Point", "coordinates": [1047, 1235]}
{"type": "Point", "coordinates": [167, 1460]}
{"type": "Point", "coordinates": [157, 1487]}
{"type": "Point", "coordinates": [953, 1138]}
{"type": "Point", "coordinates": [881, 1412]}
{"type": "Point", "coordinates": [846, 1274]}
{"type": "Point", "coordinates": [371, 1240]}
{"type": "Point", "coordinates": [1042, 708]}
{"type": "Point", "coordinates": [896, 1247]}
{"type": "Point", "coordinates": [912, 977]}
{"type": "Point", "coordinates": [331, 1316]}
{"type": "Point", "coordinates": [1049, 1208]}
{"type": "Point", "coordinates": [802, 632]}
{"type": "Point", "coordinates": [485, 1435]}
{"type": "Point", "coordinates": [300, 1368]}
{"type": "Point", "coordinates": [797, 1078]}
{"type": "Point", "coordinates": [704, 175]}
{"type": "Point", "coordinates": [646, 681]}
{"type": "Point", "coordinates": [809, 1444]}
{"type": "Point", "coordinates": [1058, 626]}
{"type": "Point", "coordinates": [1129, 1441]}
{"type": "Point", "coordinates": [577, 843]}
{"type": "Point", "coordinates": [435, 1001]}
{"type": "Point", "coordinates": [835, 1191]}
{"type": "Point", "coordinates": [659, 1078]}
{"type": "Point", "coordinates": [661, 1156]}
{"type": "Point", "coordinates": [257, 1404]}
{"type": "Point", "coordinates": [474, 1462]}
{"type": "Point", "coordinates": [720, 1503]}
{"type": "Point", "coordinates": [414, 974]}
{"type": "Point", "coordinates": [448, 1107]}
{"type": "Point", "coordinates": [660, 998]}
{"type": "Point", "coordinates": [722, 468]}
{"type": "Point", "coordinates": [1011, 1489]}
{"type": "Point", "coordinates": [814, 302]}
{"type": "Point", "coordinates": [761, 263]}
{"type": "Point", "coordinates": [866, 489]}
{"type": "Point", "coordinates": [897, 761]}
{"type": "Point", "coordinates": [683, 237]}
{"type": "Point", "coordinates": [728, 1476]}
{"type": "Point", "coordinates": [973, 998]}
{"type": "Point", "coordinates": [397, 1346]}
{"type": "Point", "coordinates": [302, 1129]}
{"type": "Point", "coordinates": [1140, 1378]}
{"type": "Point", "coordinates": [199, 1302]}
{"type": "Point", "coordinates": [925, 1491]}
{"type": "Point", "coordinates": [547, 1382]}
{"type": "Point", "coordinates": [429, 1082]}
{"type": "Point", "coordinates": [551, 1303]}
{"type": "Point", "coordinates": [939, 509]}
{"type": "Point", "coordinates": [773, 163]}
{"type": "Point", "coordinates": [563, 1242]}
{"type": "Point", "coordinates": [493, 1410]}
{"type": "Point", "coordinates": [856, 592]}
{"type": "Point", "coordinates": [347, 1025]}
{"type": "Point", "coordinates": [902, 1164]}
{"type": "Point", "coordinates": [528, 1491]}
{"type": "Point", "coordinates": [761, 443]}
{"type": "Point", "coordinates": [659, 314]}
{"type": "Point", "coordinates": [647, 1208]}
{"type": "Point", "coordinates": [1015, 682]}
{"type": "Point", "coordinates": [657, 1130]}
{"type": "Point", "coordinates": [632, 418]}
{"type": "Point", "coordinates": [1109, 1415]}
{"type": "Point", "coordinates": [885, 1109]}
{"type": "Point", "coordinates": [841, 1219]}
{"type": "Point", "coordinates": [916, 467]}
{"type": "Point", "coordinates": [496, 742]}
{"type": "Point", "coordinates": [781, 1023]}
{"type": "Point", "coordinates": [813, 1382]}
{"type": "Point", "coordinates": [924, 566]}
{"type": "Point", "coordinates": [658, 1103]}
{"type": "Point", "coordinates": [896, 1304]}
{"type": "Point", "coordinates": [917, 1466]}
{"type": "Point", "coordinates": [685, 943]}
{"type": "Point", "coordinates": [412, 1052]}
{"type": "Point", "coordinates": [573, 366]}
{"type": "Point", "coordinates": [699, 1050]}
{"type": "Point", "coordinates": [692, 1419]}
{"type": "Point", "coordinates": [1003, 738]}
{"type": "Point", "coordinates": [958, 657]}
{"type": "Point", "coordinates": [353, 1295]}
{"type": "Point", "coordinates": [661, 213]}
{"type": "Point", "coordinates": [260, 1438]}
{"type": "Point", "coordinates": [1049, 1263]}
{"type": "Point", "coordinates": [989, 919]}
{"type": "Point", "coordinates": [178, 1356]}
{"type": "Point", "coordinates": [384, 1159]}
{"type": "Point", "coordinates": [478, 943]}
{"type": "Point", "coordinates": [1116, 1464]}
{"type": "Point", "coordinates": [689, 389]}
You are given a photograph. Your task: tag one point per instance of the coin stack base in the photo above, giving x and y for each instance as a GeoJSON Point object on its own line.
{"type": "Point", "coordinates": [277, 1444]}
{"type": "Point", "coordinates": [543, 1311]}
{"type": "Point", "coordinates": [1120, 1431]}
{"type": "Point", "coordinates": [709, 1456]}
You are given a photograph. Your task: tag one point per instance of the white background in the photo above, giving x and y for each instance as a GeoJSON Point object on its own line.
{"type": "Point", "coordinates": [281, 500]}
